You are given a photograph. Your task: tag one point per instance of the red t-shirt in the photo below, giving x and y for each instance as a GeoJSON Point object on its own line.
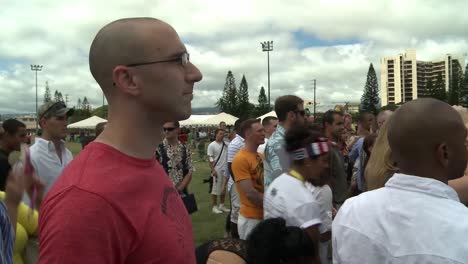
{"type": "Point", "coordinates": [108, 207]}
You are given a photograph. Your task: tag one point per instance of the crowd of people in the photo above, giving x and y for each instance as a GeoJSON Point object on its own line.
{"type": "Point", "coordinates": [301, 191]}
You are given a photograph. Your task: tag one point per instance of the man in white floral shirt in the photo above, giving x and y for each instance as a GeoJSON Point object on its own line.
{"type": "Point", "coordinates": [175, 157]}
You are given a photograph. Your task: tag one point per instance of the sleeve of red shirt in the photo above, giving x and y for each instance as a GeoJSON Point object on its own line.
{"type": "Point", "coordinates": [77, 226]}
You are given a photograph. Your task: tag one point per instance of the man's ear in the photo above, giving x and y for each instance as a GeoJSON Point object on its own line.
{"type": "Point", "coordinates": [124, 80]}
{"type": "Point", "coordinates": [442, 154]}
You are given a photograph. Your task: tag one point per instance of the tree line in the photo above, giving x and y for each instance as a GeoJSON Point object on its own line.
{"type": "Point", "coordinates": [82, 109]}
{"type": "Point", "coordinates": [235, 101]}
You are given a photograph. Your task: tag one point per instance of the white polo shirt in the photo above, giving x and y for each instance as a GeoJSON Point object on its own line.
{"type": "Point", "coordinates": [410, 220]}
{"type": "Point", "coordinates": [46, 162]}
{"type": "Point", "coordinates": [288, 198]}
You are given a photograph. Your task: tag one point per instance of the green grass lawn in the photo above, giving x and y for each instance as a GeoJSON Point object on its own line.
{"type": "Point", "coordinates": [206, 225]}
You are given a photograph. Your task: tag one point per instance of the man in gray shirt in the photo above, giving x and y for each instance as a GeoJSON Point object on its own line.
{"type": "Point", "coordinates": [333, 128]}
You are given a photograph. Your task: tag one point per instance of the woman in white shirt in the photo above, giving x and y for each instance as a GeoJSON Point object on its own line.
{"type": "Point", "coordinates": [287, 196]}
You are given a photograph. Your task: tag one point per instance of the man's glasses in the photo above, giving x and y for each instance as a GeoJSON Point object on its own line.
{"type": "Point", "coordinates": [168, 129]}
{"type": "Point", "coordinates": [183, 59]}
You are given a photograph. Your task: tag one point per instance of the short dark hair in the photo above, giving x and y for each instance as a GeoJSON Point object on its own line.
{"type": "Point", "coordinates": [329, 117]}
{"type": "Point", "coordinates": [246, 125]}
{"type": "Point", "coordinates": [272, 241]}
{"type": "Point", "coordinates": [285, 104]}
{"type": "Point", "coordinates": [266, 121]}
{"type": "Point", "coordinates": [217, 130]}
{"type": "Point", "coordinates": [11, 126]}
{"type": "Point", "coordinates": [176, 123]}
{"type": "Point", "coordinates": [222, 122]}
{"type": "Point", "coordinates": [237, 125]}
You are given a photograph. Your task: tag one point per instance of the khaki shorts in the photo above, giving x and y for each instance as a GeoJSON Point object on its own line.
{"type": "Point", "coordinates": [218, 183]}
{"type": "Point", "coordinates": [246, 225]}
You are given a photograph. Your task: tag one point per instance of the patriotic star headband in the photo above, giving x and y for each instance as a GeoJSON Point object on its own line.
{"type": "Point", "coordinates": [312, 150]}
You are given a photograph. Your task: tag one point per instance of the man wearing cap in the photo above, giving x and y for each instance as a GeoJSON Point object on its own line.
{"type": "Point", "coordinates": [49, 156]}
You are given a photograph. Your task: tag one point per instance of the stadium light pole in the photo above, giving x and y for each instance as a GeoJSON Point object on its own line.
{"type": "Point", "coordinates": [267, 46]}
{"type": "Point", "coordinates": [315, 81]}
{"type": "Point", "coordinates": [36, 68]}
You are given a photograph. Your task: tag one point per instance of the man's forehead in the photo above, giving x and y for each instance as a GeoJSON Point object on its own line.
{"type": "Point", "coordinates": [164, 40]}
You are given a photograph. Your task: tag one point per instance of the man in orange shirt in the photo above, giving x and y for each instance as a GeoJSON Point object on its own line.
{"type": "Point", "coordinates": [247, 167]}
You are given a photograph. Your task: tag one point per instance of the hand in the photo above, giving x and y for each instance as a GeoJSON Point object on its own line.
{"type": "Point", "coordinates": [334, 211]}
{"type": "Point", "coordinates": [37, 184]}
{"type": "Point", "coordinates": [14, 188]}
{"type": "Point", "coordinates": [214, 173]}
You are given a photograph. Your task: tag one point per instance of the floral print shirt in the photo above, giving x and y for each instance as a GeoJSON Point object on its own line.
{"type": "Point", "coordinates": [176, 161]}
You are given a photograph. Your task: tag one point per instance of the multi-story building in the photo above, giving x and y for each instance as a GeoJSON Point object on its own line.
{"type": "Point", "coordinates": [404, 78]}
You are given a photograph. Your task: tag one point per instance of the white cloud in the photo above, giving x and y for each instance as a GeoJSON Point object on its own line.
{"type": "Point", "coordinates": [226, 35]}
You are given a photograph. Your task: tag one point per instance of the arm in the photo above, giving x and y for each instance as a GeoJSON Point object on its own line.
{"type": "Point", "coordinates": [354, 154]}
{"type": "Point", "coordinates": [314, 234]}
{"type": "Point", "coordinates": [275, 157]}
{"type": "Point", "coordinates": [251, 193]}
{"type": "Point", "coordinates": [230, 170]}
{"type": "Point", "coordinates": [187, 177]}
{"type": "Point", "coordinates": [77, 216]}
{"type": "Point", "coordinates": [211, 159]}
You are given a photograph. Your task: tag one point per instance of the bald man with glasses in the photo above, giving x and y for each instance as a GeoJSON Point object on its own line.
{"type": "Point", "coordinates": [114, 203]}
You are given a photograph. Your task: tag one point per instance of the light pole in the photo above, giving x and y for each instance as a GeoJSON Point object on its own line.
{"type": "Point", "coordinates": [315, 81]}
{"type": "Point", "coordinates": [268, 46]}
{"type": "Point", "coordinates": [36, 68]}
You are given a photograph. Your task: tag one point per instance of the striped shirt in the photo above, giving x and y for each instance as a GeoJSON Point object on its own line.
{"type": "Point", "coordinates": [7, 236]}
{"type": "Point", "coordinates": [236, 144]}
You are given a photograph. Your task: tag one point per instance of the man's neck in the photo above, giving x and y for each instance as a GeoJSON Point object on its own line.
{"type": "Point", "coordinates": [252, 147]}
{"type": "Point", "coordinates": [132, 132]}
{"type": "Point", "coordinates": [364, 132]}
{"type": "Point", "coordinates": [46, 136]}
{"type": "Point", "coordinates": [173, 141]}
{"type": "Point", "coordinates": [285, 124]}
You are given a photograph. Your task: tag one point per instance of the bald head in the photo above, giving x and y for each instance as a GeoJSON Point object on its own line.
{"type": "Point", "coordinates": [427, 138]}
{"type": "Point", "coordinates": [125, 41]}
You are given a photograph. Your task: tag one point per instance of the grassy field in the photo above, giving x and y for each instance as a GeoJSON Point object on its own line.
{"type": "Point", "coordinates": [206, 225]}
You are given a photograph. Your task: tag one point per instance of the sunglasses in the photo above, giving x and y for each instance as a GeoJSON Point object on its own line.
{"type": "Point", "coordinates": [301, 112]}
{"type": "Point", "coordinates": [168, 129]}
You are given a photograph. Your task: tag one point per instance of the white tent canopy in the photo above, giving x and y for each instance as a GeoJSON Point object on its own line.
{"type": "Point", "coordinates": [215, 120]}
{"type": "Point", "coordinates": [89, 123]}
{"type": "Point", "coordinates": [194, 120]}
{"type": "Point", "coordinates": [272, 113]}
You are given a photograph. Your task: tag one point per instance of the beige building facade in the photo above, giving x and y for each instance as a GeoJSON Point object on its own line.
{"type": "Point", "coordinates": [404, 78]}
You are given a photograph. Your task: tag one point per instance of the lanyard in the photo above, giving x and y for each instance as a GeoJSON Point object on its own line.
{"type": "Point", "coordinates": [296, 175]}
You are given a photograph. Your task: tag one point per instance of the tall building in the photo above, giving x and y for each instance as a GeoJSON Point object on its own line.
{"type": "Point", "coordinates": [404, 78]}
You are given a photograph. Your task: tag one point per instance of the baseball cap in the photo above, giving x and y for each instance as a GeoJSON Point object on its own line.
{"type": "Point", "coordinates": [50, 109]}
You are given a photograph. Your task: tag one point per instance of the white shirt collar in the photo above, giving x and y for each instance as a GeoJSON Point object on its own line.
{"type": "Point", "coordinates": [49, 144]}
{"type": "Point", "coordinates": [422, 185]}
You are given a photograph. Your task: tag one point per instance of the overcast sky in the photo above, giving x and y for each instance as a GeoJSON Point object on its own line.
{"type": "Point", "coordinates": [330, 40]}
